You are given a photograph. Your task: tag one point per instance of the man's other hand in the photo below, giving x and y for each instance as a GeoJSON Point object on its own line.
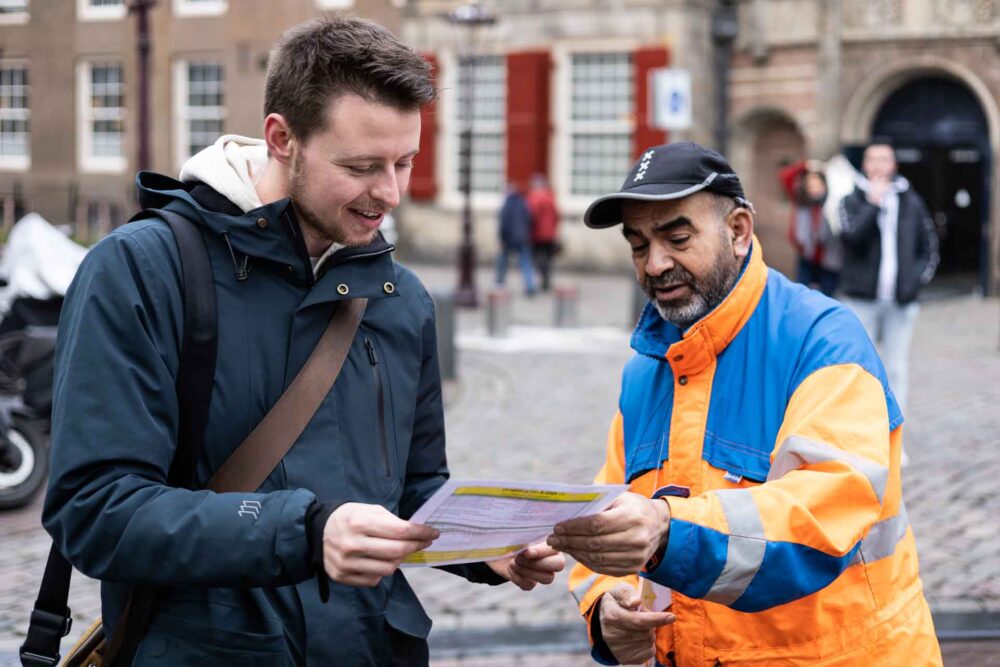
{"type": "Point", "coordinates": [363, 543]}
{"type": "Point", "coordinates": [877, 189]}
{"type": "Point", "coordinates": [628, 630]}
{"type": "Point", "coordinates": [618, 541]}
{"type": "Point", "coordinates": [538, 564]}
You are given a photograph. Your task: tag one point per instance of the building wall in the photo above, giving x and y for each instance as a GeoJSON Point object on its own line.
{"type": "Point", "coordinates": [655, 33]}
{"type": "Point", "coordinates": [807, 78]}
{"type": "Point", "coordinates": [54, 185]}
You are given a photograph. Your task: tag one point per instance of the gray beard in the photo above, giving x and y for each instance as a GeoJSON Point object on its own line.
{"type": "Point", "coordinates": [706, 295]}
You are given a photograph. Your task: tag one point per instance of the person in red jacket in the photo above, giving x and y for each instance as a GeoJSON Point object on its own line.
{"type": "Point", "coordinates": [544, 226]}
{"type": "Point", "coordinates": [809, 231]}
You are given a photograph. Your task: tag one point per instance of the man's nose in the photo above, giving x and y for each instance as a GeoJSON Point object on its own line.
{"type": "Point", "coordinates": [659, 260]}
{"type": "Point", "coordinates": [386, 188]}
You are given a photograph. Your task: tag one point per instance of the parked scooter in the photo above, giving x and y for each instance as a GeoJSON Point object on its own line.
{"type": "Point", "coordinates": [37, 266]}
{"type": "Point", "coordinates": [27, 351]}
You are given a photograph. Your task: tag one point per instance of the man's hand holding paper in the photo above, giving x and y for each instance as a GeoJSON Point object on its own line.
{"type": "Point", "coordinates": [618, 541]}
{"type": "Point", "coordinates": [496, 520]}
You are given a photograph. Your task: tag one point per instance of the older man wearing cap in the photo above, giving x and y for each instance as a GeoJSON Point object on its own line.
{"type": "Point", "coordinates": [761, 442]}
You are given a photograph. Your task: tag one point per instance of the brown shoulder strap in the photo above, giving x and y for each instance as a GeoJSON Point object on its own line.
{"type": "Point", "coordinates": [251, 463]}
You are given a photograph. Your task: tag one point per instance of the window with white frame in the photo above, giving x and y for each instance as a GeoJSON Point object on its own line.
{"type": "Point", "coordinates": [100, 10]}
{"type": "Point", "coordinates": [334, 4]}
{"type": "Point", "coordinates": [102, 116]}
{"type": "Point", "coordinates": [489, 114]}
{"type": "Point", "coordinates": [14, 116]}
{"type": "Point", "coordinates": [200, 7]}
{"type": "Point", "coordinates": [13, 11]}
{"type": "Point", "coordinates": [201, 106]}
{"type": "Point", "coordinates": [601, 121]}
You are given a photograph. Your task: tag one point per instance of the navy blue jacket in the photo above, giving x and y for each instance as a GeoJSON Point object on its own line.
{"type": "Point", "coordinates": [239, 586]}
{"type": "Point", "coordinates": [515, 221]}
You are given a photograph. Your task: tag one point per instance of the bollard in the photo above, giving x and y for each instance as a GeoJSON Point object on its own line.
{"type": "Point", "coordinates": [498, 312]}
{"type": "Point", "coordinates": [444, 310]}
{"type": "Point", "coordinates": [566, 306]}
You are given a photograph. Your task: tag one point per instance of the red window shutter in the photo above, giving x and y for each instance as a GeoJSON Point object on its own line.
{"type": "Point", "coordinates": [528, 127]}
{"type": "Point", "coordinates": [423, 184]}
{"type": "Point", "coordinates": [646, 135]}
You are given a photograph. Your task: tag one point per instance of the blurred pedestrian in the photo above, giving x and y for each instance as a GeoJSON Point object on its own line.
{"type": "Point", "coordinates": [544, 227]}
{"type": "Point", "coordinates": [890, 253]}
{"type": "Point", "coordinates": [515, 238]}
{"type": "Point", "coordinates": [819, 257]}
{"type": "Point", "coordinates": [303, 570]}
{"type": "Point", "coordinates": [761, 448]}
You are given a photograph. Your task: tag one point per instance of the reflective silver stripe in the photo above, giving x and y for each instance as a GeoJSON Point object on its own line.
{"type": "Point", "coordinates": [746, 546]}
{"type": "Point", "coordinates": [884, 536]}
{"type": "Point", "coordinates": [797, 451]}
{"type": "Point", "coordinates": [581, 591]}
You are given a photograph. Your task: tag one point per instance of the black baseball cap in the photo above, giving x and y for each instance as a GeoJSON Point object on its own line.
{"type": "Point", "coordinates": [670, 171]}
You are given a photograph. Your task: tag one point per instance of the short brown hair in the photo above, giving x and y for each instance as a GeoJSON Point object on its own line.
{"type": "Point", "coordinates": [320, 60]}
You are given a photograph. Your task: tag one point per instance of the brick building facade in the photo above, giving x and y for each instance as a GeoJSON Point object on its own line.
{"type": "Point", "coordinates": [808, 78]}
{"type": "Point", "coordinates": [560, 89]}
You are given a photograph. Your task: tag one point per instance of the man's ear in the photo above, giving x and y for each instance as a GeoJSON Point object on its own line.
{"type": "Point", "coordinates": [281, 143]}
{"type": "Point", "coordinates": [740, 224]}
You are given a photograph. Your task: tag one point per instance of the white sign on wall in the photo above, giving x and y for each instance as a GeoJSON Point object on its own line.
{"type": "Point", "coordinates": [670, 98]}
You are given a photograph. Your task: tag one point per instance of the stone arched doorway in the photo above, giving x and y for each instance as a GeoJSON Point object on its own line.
{"type": "Point", "coordinates": [946, 123]}
{"type": "Point", "coordinates": [941, 138]}
{"type": "Point", "coordinates": [764, 141]}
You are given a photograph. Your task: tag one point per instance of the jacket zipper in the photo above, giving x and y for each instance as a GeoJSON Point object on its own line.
{"type": "Point", "coordinates": [380, 399]}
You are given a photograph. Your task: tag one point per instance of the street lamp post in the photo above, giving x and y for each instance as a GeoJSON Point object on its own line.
{"type": "Point", "coordinates": [725, 28]}
{"type": "Point", "coordinates": [470, 15]}
{"type": "Point", "coordinates": [141, 10]}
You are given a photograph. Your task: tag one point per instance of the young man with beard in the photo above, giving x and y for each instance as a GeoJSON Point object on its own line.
{"type": "Point", "coordinates": [308, 575]}
{"type": "Point", "coordinates": [761, 442]}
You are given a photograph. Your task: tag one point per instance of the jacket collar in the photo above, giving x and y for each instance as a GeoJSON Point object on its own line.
{"type": "Point", "coordinates": [693, 349]}
{"type": "Point", "coordinates": [271, 233]}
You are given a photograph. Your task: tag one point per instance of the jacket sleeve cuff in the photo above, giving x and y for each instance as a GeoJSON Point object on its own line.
{"type": "Point", "coordinates": [600, 651]}
{"type": "Point", "coordinates": [476, 573]}
{"type": "Point", "coordinates": [316, 517]}
{"type": "Point", "coordinates": [677, 562]}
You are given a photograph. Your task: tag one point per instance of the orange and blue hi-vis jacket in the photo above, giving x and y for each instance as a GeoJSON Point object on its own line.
{"type": "Point", "coordinates": [771, 424]}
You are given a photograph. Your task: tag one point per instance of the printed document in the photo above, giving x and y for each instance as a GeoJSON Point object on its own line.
{"type": "Point", "coordinates": [485, 520]}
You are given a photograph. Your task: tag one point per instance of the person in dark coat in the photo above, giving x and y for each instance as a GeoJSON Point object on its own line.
{"type": "Point", "coordinates": [515, 238]}
{"type": "Point", "coordinates": [890, 253]}
{"type": "Point", "coordinates": [309, 574]}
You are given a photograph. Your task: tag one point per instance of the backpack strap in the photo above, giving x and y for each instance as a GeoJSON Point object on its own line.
{"type": "Point", "coordinates": [50, 618]}
{"type": "Point", "coordinates": [196, 372]}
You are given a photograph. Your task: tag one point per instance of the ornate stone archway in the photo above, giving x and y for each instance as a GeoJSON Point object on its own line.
{"type": "Point", "coordinates": [873, 91]}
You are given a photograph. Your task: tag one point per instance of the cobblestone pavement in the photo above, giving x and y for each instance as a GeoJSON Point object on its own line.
{"type": "Point", "coordinates": [537, 404]}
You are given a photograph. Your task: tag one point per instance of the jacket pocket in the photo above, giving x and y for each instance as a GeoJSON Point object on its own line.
{"type": "Point", "coordinates": [369, 425]}
{"type": "Point", "coordinates": [735, 457]}
{"type": "Point", "coordinates": [380, 403]}
{"type": "Point", "coordinates": [172, 640]}
{"type": "Point", "coordinates": [645, 457]}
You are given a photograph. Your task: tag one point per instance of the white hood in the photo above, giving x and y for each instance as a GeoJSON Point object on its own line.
{"type": "Point", "coordinates": [231, 167]}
